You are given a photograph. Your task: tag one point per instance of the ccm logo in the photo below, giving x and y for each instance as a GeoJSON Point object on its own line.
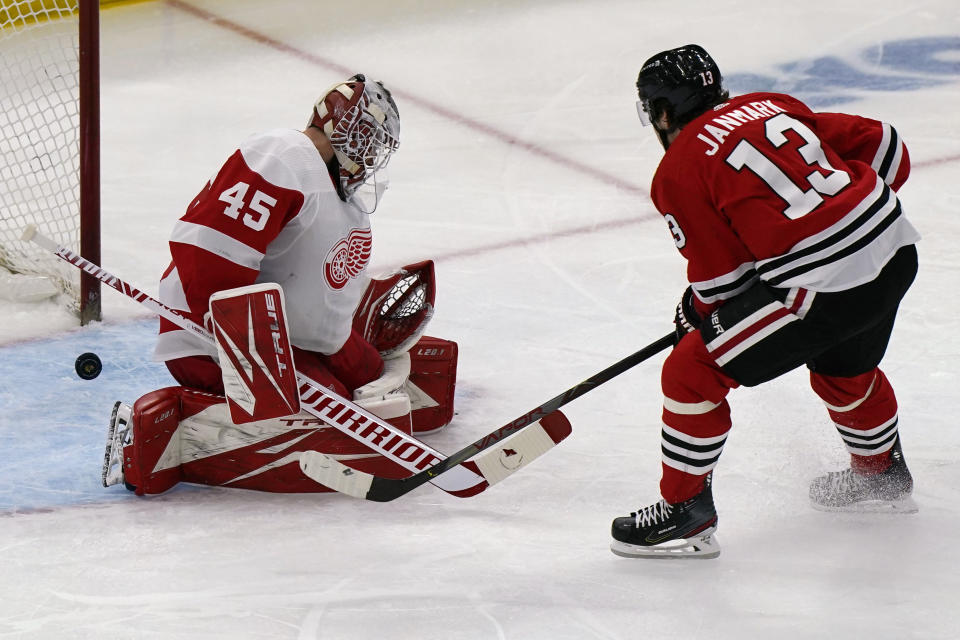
{"type": "Point", "coordinates": [163, 416]}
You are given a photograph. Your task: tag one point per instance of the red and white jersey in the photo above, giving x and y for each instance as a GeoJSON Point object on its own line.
{"type": "Point", "coordinates": [763, 187]}
{"type": "Point", "coordinates": [271, 214]}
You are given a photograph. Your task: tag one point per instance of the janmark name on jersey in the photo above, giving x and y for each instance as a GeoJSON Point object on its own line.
{"type": "Point", "coordinates": [714, 136]}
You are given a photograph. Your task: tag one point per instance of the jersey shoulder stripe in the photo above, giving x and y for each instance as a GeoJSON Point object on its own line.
{"type": "Point", "coordinates": [217, 243]}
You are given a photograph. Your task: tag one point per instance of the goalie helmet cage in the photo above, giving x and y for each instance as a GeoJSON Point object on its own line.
{"type": "Point", "coordinates": [50, 140]}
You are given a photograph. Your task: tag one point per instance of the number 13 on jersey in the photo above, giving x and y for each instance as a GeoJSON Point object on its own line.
{"type": "Point", "coordinates": [799, 202]}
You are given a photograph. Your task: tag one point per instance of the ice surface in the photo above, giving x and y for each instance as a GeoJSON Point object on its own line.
{"type": "Point", "coordinates": [524, 171]}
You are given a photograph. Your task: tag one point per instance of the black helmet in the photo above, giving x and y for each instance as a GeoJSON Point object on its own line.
{"type": "Point", "coordinates": [684, 82]}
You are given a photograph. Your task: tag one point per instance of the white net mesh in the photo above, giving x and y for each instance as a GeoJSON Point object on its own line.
{"type": "Point", "coordinates": [39, 135]}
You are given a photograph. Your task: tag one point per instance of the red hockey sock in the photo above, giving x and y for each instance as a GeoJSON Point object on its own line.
{"type": "Point", "coordinates": [677, 486]}
{"type": "Point", "coordinates": [696, 418]}
{"type": "Point", "coordinates": [870, 465]}
{"type": "Point", "coordinates": [864, 410]}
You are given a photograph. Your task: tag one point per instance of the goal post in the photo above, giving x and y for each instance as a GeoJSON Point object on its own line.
{"type": "Point", "coordinates": [50, 141]}
{"type": "Point", "coordinates": [89, 97]}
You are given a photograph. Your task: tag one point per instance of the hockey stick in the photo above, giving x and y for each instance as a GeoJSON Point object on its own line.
{"type": "Point", "coordinates": [530, 434]}
{"type": "Point", "coordinates": [316, 399]}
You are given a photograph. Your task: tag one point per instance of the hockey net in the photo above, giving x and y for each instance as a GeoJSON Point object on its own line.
{"type": "Point", "coordinates": [40, 140]}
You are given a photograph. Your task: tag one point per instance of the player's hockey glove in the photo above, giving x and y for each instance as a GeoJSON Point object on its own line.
{"type": "Point", "coordinates": [686, 318]}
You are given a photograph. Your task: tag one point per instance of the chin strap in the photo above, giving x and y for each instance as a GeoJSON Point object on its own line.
{"type": "Point", "coordinates": [663, 135]}
{"type": "Point", "coordinates": [333, 168]}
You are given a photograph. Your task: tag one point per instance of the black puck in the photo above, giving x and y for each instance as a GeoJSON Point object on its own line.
{"type": "Point", "coordinates": [88, 366]}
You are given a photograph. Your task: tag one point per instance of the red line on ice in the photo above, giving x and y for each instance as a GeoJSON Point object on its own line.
{"type": "Point", "coordinates": [409, 98]}
{"type": "Point", "coordinates": [481, 127]}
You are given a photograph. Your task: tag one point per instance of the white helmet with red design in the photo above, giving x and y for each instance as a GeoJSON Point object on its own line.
{"type": "Point", "coordinates": [361, 121]}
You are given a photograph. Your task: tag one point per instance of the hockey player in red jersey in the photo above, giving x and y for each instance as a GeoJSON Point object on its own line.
{"type": "Point", "coordinates": [289, 207]}
{"type": "Point", "coordinates": [798, 253]}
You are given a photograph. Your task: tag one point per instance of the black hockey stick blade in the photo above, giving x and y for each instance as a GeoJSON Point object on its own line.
{"type": "Point", "coordinates": [378, 489]}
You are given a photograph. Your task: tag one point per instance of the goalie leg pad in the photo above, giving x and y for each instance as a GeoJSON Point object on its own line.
{"type": "Point", "coordinates": [153, 425]}
{"type": "Point", "coordinates": [433, 379]}
{"type": "Point", "coordinates": [264, 455]}
{"type": "Point", "coordinates": [183, 435]}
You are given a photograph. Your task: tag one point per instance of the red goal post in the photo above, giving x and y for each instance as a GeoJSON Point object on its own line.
{"type": "Point", "coordinates": [50, 141]}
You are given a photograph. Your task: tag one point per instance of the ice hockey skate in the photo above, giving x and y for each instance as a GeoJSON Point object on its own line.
{"type": "Point", "coordinates": [888, 491]}
{"type": "Point", "coordinates": [664, 530]}
{"type": "Point", "coordinates": [118, 435]}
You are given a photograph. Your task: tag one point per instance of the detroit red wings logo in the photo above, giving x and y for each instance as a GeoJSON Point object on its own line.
{"type": "Point", "coordinates": [347, 258]}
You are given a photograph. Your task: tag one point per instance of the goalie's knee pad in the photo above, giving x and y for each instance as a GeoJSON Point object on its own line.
{"type": "Point", "coordinates": [433, 379]}
{"type": "Point", "coordinates": [153, 457]}
{"type": "Point", "coordinates": [419, 383]}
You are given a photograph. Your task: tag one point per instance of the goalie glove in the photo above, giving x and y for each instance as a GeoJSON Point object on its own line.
{"type": "Point", "coordinates": [395, 309]}
{"type": "Point", "coordinates": [686, 318]}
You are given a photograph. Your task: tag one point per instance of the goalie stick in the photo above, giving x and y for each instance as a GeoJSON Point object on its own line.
{"type": "Point", "coordinates": [529, 435]}
{"type": "Point", "coordinates": [338, 412]}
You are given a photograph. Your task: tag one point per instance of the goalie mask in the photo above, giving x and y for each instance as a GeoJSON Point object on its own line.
{"type": "Point", "coordinates": [361, 121]}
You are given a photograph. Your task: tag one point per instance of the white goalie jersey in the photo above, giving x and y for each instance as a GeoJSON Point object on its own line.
{"type": "Point", "coordinates": [271, 214]}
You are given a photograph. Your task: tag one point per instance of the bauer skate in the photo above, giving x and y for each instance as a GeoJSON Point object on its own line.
{"type": "Point", "coordinates": [118, 436]}
{"type": "Point", "coordinates": [888, 491]}
{"type": "Point", "coordinates": [664, 530]}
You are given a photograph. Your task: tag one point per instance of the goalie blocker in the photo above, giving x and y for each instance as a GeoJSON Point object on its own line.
{"type": "Point", "coordinates": [256, 358]}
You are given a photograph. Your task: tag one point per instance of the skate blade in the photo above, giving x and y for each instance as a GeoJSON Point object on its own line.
{"type": "Point", "coordinates": [703, 546]}
{"type": "Point", "coordinates": [904, 506]}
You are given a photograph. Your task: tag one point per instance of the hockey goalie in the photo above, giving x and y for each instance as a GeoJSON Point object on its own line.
{"type": "Point", "coordinates": [271, 257]}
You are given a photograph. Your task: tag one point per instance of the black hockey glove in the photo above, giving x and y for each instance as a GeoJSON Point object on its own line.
{"type": "Point", "coordinates": [686, 318]}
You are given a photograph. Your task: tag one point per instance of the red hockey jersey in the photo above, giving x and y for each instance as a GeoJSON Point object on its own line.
{"type": "Point", "coordinates": [763, 187]}
{"type": "Point", "coordinates": [271, 214]}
